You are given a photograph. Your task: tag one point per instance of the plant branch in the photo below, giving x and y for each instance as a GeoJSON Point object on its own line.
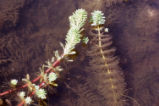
{"type": "Point", "coordinates": [56, 63]}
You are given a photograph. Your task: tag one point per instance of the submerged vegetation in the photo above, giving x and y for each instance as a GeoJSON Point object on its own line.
{"type": "Point", "coordinates": [28, 37]}
{"type": "Point", "coordinates": [50, 72]}
{"type": "Point", "coordinates": [105, 63]}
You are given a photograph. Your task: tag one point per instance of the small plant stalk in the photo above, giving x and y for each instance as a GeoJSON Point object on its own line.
{"type": "Point", "coordinates": [56, 63]}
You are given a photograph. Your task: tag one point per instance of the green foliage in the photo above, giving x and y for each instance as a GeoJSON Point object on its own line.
{"type": "Point", "coordinates": [13, 82]}
{"type": "Point", "coordinates": [28, 100]}
{"type": "Point", "coordinates": [77, 20]}
{"type": "Point", "coordinates": [85, 40]}
{"type": "Point", "coordinates": [97, 18]}
{"type": "Point", "coordinates": [40, 93]}
{"type": "Point", "coordinates": [49, 76]}
{"type": "Point", "coordinates": [52, 77]}
{"type": "Point", "coordinates": [73, 37]}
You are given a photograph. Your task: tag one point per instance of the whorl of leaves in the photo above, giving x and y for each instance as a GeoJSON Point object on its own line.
{"type": "Point", "coordinates": [73, 37]}
{"type": "Point", "coordinates": [97, 18]}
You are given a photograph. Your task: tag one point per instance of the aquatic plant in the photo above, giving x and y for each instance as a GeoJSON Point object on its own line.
{"type": "Point", "coordinates": [104, 62]}
{"type": "Point", "coordinates": [48, 76]}
{"type": "Point", "coordinates": [97, 18]}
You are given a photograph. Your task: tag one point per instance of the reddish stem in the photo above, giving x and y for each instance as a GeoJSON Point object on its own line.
{"type": "Point", "coordinates": [21, 104]}
{"type": "Point", "coordinates": [56, 63]}
{"type": "Point", "coordinates": [32, 93]}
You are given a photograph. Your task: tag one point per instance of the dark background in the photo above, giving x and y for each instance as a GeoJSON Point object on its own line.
{"type": "Point", "coordinates": [30, 30]}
